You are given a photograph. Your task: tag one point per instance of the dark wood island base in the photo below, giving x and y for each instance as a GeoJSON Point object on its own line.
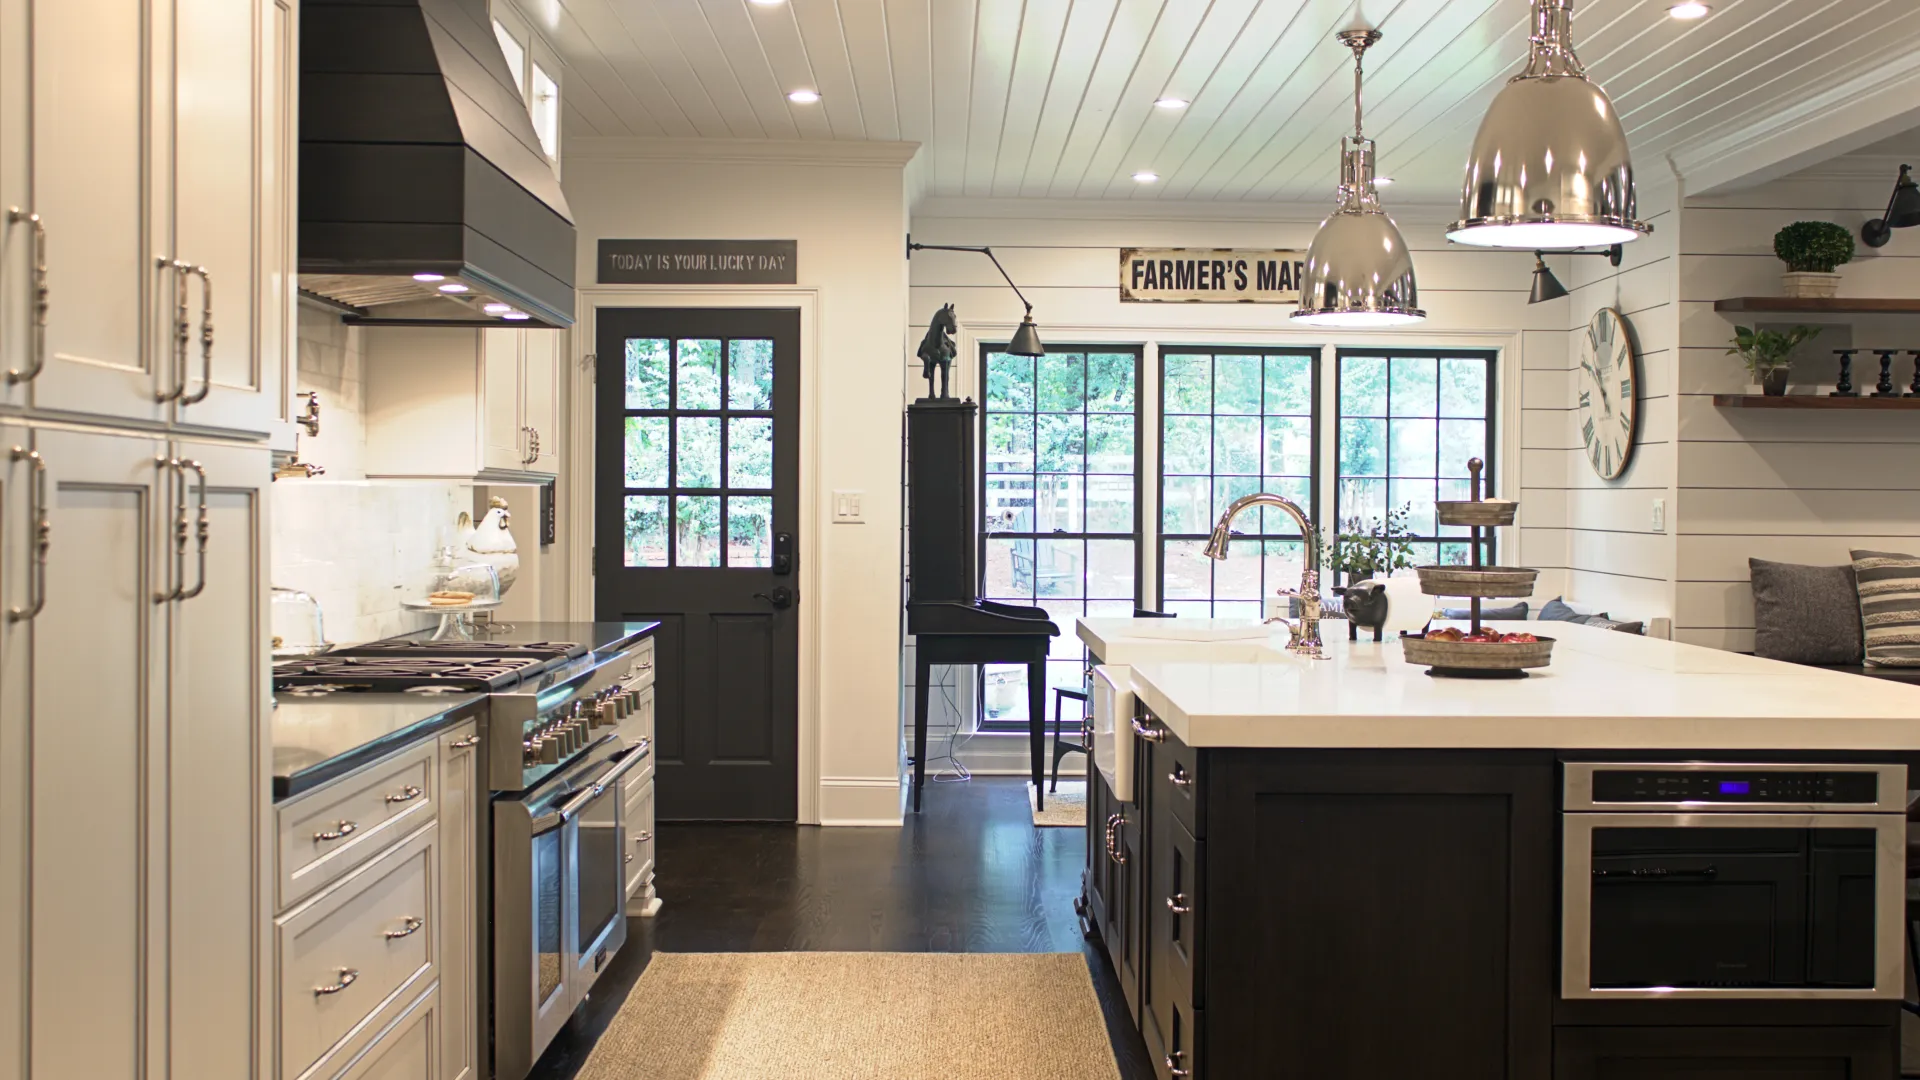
{"type": "Point", "coordinates": [1395, 914]}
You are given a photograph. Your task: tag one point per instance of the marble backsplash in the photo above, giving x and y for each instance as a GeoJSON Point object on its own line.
{"type": "Point", "coordinates": [355, 545]}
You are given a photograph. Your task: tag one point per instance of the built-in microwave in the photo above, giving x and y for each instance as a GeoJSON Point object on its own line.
{"type": "Point", "coordinates": [1711, 880]}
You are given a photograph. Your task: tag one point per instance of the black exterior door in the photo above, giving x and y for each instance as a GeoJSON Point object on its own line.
{"type": "Point", "coordinates": [697, 484]}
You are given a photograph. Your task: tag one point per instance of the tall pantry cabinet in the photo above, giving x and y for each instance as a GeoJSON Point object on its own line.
{"type": "Point", "coordinates": [146, 317]}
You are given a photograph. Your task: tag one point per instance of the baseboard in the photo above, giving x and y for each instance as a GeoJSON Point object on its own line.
{"type": "Point", "coordinates": [860, 801]}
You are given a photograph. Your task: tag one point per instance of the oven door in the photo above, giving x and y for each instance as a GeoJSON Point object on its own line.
{"type": "Point", "coordinates": [1744, 906]}
{"type": "Point", "coordinates": [598, 903]}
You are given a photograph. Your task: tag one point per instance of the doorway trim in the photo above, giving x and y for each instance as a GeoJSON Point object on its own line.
{"type": "Point", "coordinates": [580, 476]}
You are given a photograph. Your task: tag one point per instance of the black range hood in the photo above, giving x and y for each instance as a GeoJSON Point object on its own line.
{"type": "Point", "coordinates": [418, 157]}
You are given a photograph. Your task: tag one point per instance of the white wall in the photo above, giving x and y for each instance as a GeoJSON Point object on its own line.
{"type": "Point", "coordinates": [1790, 486]}
{"type": "Point", "coordinates": [845, 204]}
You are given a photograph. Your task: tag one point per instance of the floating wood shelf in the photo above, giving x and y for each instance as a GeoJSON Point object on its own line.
{"type": "Point", "coordinates": [1811, 401]}
{"type": "Point", "coordinates": [1838, 305]}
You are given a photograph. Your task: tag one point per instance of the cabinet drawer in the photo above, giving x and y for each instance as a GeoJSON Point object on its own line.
{"type": "Point", "coordinates": [354, 953]}
{"type": "Point", "coordinates": [1177, 770]}
{"type": "Point", "coordinates": [638, 816]}
{"type": "Point", "coordinates": [1176, 912]}
{"type": "Point", "coordinates": [328, 832]}
{"type": "Point", "coordinates": [405, 1048]}
{"type": "Point", "coordinates": [643, 663]}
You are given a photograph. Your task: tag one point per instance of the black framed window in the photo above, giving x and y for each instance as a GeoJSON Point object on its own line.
{"type": "Point", "coordinates": [1409, 421]}
{"type": "Point", "coordinates": [1059, 500]}
{"type": "Point", "coordinates": [699, 452]}
{"type": "Point", "coordinates": [1233, 422]}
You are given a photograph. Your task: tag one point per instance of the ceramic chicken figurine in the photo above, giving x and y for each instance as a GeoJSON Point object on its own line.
{"type": "Point", "coordinates": [491, 543]}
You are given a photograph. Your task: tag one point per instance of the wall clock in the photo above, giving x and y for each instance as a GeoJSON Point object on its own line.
{"type": "Point", "coordinates": [1608, 415]}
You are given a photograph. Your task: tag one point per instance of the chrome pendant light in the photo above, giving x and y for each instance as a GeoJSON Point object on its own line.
{"type": "Point", "coordinates": [1550, 167]}
{"type": "Point", "coordinates": [1359, 273]}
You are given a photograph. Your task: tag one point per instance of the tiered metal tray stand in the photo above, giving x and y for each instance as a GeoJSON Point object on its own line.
{"type": "Point", "coordinates": [1477, 659]}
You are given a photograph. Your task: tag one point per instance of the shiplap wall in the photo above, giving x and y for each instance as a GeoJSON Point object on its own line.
{"type": "Point", "coordinates": [1788, 486]}
{"type": "Point", "coordinates": [1616, 561]}
{"type": "Point", "coordinates": [1065, 256]}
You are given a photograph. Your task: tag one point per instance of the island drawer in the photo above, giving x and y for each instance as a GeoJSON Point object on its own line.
{"type": "Point", "coordinates": [341, 825]}
{"type": "Point", "coordinates": [1176, 769]}
{"type": "Point", "coordinates": [1173, 1044]}
{"type": "Point", "coordinates": [356, 953]}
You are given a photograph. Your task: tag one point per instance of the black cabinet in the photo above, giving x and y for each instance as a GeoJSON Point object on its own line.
{"type": "Point", "coordinates": [1726, 1053]}
{"type": "Point", "coordinates": [1115, 884]}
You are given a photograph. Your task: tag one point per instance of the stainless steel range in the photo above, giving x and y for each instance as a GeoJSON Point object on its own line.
{"type": "Point", "coordinates": [561, 731]}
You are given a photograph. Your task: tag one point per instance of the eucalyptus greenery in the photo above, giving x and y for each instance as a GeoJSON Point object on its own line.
{"type": "Point", "coordinates": [1813, 247]}
{"type": "Point", "coordinates": [1765, 350]}
{"type": "Point", "coordinates": [1363, 549]}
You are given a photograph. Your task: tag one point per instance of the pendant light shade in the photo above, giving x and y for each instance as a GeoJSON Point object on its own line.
{"type": "Point", "coordinates": [1359, 274]}
{"type": "Point", "coordinates": [1550, 167]}
{"type": "Point", "coordinates": [1545, 285]}
{"type": "Point", "coordinates": [1026, 339]}
{"type": "Point", "coordinates": [1903, 211]}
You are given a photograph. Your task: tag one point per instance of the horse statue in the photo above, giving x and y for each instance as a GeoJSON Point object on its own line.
{"type": "Point", "coordinates": [936, 351]}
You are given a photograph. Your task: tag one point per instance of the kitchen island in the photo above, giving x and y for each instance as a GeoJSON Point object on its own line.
{"type": "Point", "coordinates": [1349, 868]}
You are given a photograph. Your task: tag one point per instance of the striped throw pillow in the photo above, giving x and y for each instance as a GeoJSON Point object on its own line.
{"type": "Point", "coordinates": [1889, 607]}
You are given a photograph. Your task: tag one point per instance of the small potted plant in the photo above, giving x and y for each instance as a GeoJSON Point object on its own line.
{"type": "Point", "coordinates": [1813, 250]}
{"type": "Point", "coordinates": [1362, 550]}
{"type": "Point", "coordinates": [1768, 354]}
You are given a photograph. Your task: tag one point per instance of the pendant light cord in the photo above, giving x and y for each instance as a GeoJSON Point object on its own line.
{"type": "Point", "coordinates": [1359, 40]}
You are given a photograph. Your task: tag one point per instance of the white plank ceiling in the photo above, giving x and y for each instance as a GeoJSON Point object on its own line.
{"type": "Point", "coordinates": [1055, 98]}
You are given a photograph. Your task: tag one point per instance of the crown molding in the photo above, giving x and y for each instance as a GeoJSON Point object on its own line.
{"type": "Point", "coordinates": [821, 152]}
{"type": "Point", "coordinates": [1806, 134]}
{"type": "Point", "coordinates": [1248, 212]}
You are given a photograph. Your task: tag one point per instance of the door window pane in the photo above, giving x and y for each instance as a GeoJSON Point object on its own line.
{"type": "Point", "coordinates": [698, 376]}
{"type": "Point", "coordinates": [646, 530]}
{"type": "Point", "coordinates": [697, 453]}
{"type": "Point", "coordinates": [749, 452]}
{"type": "Point", "coordinates": [649, 374]}
{"type": "Point", "coordinates": [696, 530]}
{"type": "Point", "coordinates": [647, 451]}
{"type": "Point", "coordinates": [750, 373]}
{"type": "Point", "coordinates": [750, 530]}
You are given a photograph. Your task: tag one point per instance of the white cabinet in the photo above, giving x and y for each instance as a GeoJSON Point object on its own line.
{"type": "Point", "coordinates": [147, 145]}
{"type": "Point", "coordinates": [456, 402]}
{"type": "Point", "coordinates": [642, 898]}
{"type": "Point", "coordinates": [132, 673]}
{"type": "Point", "coordinates": [460, 799]}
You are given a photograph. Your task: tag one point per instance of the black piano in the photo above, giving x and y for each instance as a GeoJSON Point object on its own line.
{"type": "Point", "coordinates": [949, 622]}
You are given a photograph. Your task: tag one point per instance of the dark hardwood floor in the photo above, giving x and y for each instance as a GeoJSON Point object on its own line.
{"type": "Point", "coordinates": [969, 874]}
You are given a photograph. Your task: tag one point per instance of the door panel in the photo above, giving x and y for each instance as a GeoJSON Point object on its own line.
{"type": "Point", "coordinates": [217, 731]}
{"type": "Point", "coordinates": [97, 895]}
{"type": "Point", "coordinates": [539, 402]}
{"type": "Point", "coordinates": [16, 478]}
{"type": "Point", "coordinates": [697, 481]}
{"type": "Point", "coordinates": [16, 237]}
{"type": "Point", "coordinates": [92, 131]}
{"type": "Point", "coordinates": [501, 446]}
{"type": "Point", "coordinates": [459, 878]}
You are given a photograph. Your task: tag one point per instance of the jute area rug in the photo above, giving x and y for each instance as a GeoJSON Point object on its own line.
{"type": "Point", "coordinates": [1068, 806]}
{"type": "Point", "coordinates": [854, 1016]}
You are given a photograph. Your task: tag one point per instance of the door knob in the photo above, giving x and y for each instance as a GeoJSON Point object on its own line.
{"type": "Point", "coordinates": [780, 597]}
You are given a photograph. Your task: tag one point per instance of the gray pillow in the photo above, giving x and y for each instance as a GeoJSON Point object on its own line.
{"type": "Point", "coordinates": [1805, 614]}
{"type": "Point", "coordinates": [1889, 595]}
{"type": "Point", "coordinates": [1517, 611]}
{"type": "Point", "coordinates": [1604, 623]}
{"type": "Point", "coordinates": [1557, 610]}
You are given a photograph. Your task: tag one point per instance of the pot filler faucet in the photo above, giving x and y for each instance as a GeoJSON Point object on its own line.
{"type": "Point", "coordinates": [1305, 634]}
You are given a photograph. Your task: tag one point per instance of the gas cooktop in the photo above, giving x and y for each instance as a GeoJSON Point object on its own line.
{"type": "Point", "coordinates": [409, 673]}
{"type": "Point", "coordinates": [549, 650]}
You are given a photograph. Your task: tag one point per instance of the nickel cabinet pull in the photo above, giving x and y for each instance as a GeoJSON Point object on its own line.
{"type": "Point", "coordinates": [1173, 1064]}
{"type": "Point", "coordinates": [43, 536]}
{"type": "Point", "coordinates": [1149, 732]}
{"type": "Point", "coordinates": [344, 829]}
{"type": "Point", "coordinates": [42, 300]}
{"type": "Point", "coordinates": [180, 270]}
{"type": "Point", "coordinates": [1178, 904]}
{"type": "Point", "coordinates": [462, 744]}
{"type": "Point", "coordinates": [407, 794]}
{"type": "Point", "coordinates": [203, 528]}
{"type": "Point", "coordinates": [629, 858]}
{"type": "Point", "coordinates": [206, 339]}
{"type": "Point", "coordinates": [1113, 852]}
{"type": "Point", "coordinates": [348, 976]}
{"type": "Point", "coordinates": [176, 495]}
{"type": "Point", "coordinates": [642, 836]}
{"type": "Point", "coordinates": [408, 927]}
{"type": "Point", "coordinates": [1178, 777]}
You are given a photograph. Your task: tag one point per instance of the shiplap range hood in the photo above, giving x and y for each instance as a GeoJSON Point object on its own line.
{"type": "Point", "coordinates": [418, 157]}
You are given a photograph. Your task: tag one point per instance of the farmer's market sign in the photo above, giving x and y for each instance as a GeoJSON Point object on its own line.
{"type": "Point", "coordinates": [1210, 275]}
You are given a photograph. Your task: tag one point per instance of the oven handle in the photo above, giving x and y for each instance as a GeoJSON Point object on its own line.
{"type": "Point", "coordinates": [567, 811]}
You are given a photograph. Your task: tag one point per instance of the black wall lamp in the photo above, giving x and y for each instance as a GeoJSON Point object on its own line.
{"type": "Point", "coordinates": [1903, 211]}
{"type": "Point", "coordinates": [1547, 287]}
{"type": "Point", "coordinates": [1026, 339]}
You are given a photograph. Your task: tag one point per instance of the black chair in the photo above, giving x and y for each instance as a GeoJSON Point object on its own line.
{"type": "Point", "coordinates": [1063, 747]}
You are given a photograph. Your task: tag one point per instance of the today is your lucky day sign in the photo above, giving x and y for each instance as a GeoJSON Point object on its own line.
{"type": "Point", "coordinates": [1210, 275]}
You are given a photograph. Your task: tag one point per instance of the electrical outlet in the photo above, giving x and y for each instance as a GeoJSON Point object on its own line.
{"type": "Point", "coordinates": [1659, 515]}
{"type": "Point", "coordinates": [847, 508]}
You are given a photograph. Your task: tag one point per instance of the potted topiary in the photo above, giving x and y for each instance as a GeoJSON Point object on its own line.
{"type": "Point", "coordinates": [1768, 354]}
{"type": "Point", "coordinates": [1362, 550]}
{"type": "Point", "coordinates": [1813, 250]}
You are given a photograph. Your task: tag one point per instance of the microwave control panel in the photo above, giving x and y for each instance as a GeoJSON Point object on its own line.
{"type": "Point", "coordinates": [1641, 784]}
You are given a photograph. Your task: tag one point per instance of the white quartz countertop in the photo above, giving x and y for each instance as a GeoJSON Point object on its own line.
{"type": "Point", "coordinates": [1605, 690]}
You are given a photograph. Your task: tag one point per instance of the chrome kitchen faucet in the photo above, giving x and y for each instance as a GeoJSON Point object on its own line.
{"type": "Point", "coordinates": [1304, 636]}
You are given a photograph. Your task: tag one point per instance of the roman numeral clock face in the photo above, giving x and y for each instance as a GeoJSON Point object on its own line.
{"type": "Point", "coordinates": [1607, 416]}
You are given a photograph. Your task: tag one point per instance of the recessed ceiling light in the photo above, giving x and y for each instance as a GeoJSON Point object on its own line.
{"type": "Point", "coordinates": [768, 3]}
{"type": "Point", "coordinates": [453, 287]}
{"type": "Point", "coordinates": [497, 309]}
{"type": "Point", "coordinates": [804, 97]}
{"type": "Point", "coordinates": [1145, 177]}
{"type": "Point", "coordinates": [429, 277]}
{"type": "Point", "coordinates": [1691, 9]}
{"type": "Point", "coordinates": [1172, 103]}
{"type": "Point", "coordinates": [516, 315]}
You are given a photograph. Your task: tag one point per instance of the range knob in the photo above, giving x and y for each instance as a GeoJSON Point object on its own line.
{"type": "Point", "coordinates": [549, 750]}
{"type": "Point", "coordinates": [530, 752]}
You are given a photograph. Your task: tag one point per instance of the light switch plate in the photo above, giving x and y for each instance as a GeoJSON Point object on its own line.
{"type": "Point", "coordinates": [848, 508]}
{"type": "Point", "coordinates": [1659, 515]}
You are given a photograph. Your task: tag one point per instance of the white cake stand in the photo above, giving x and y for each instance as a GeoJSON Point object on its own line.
{"type": "Point", "coordinates": [456, 620]}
